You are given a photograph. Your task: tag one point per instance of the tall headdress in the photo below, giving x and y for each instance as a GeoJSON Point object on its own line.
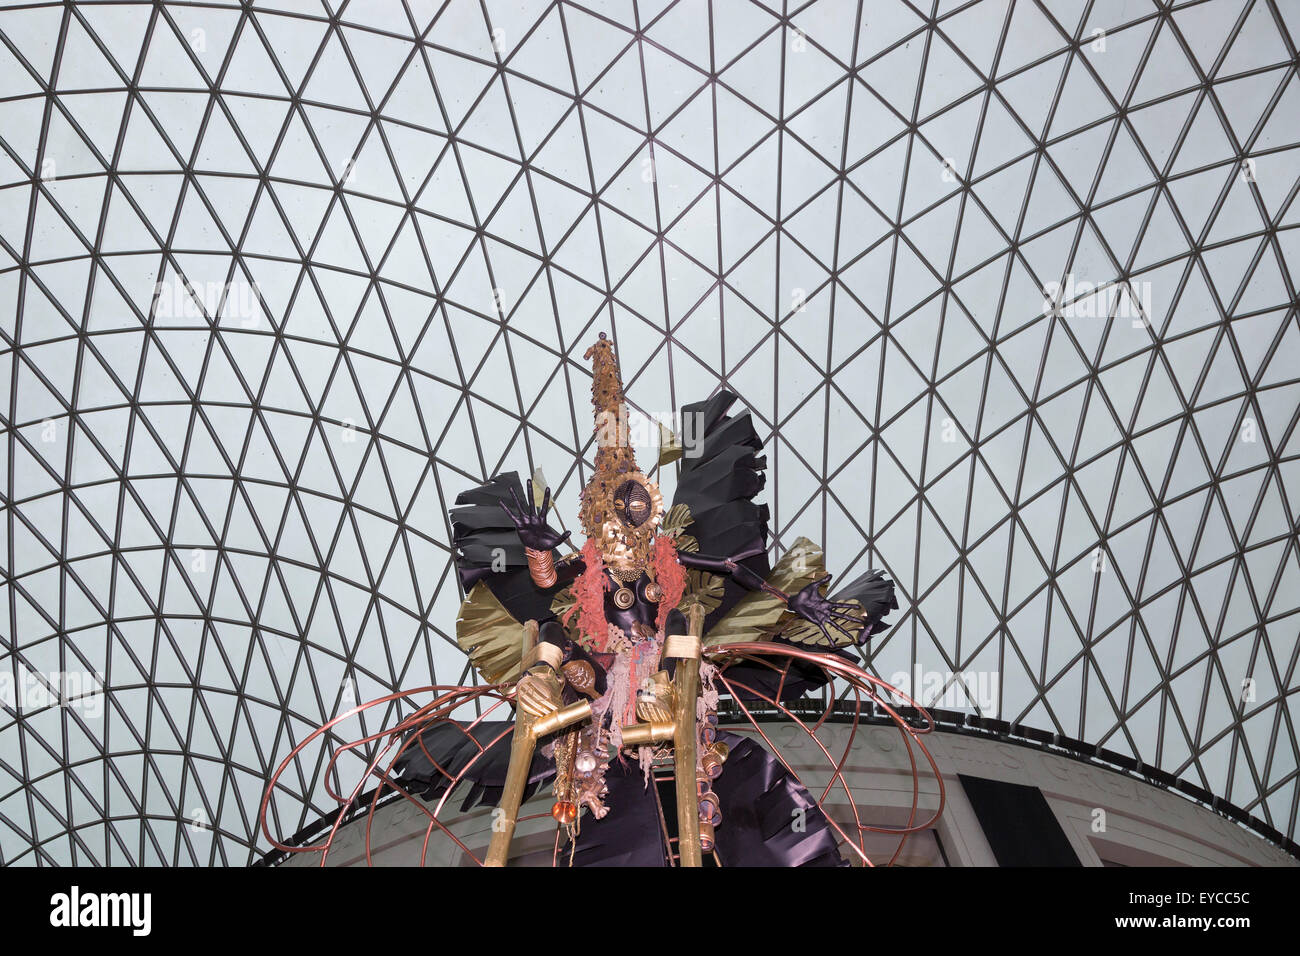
{"type": "Point", "coordinates": [621, 507]}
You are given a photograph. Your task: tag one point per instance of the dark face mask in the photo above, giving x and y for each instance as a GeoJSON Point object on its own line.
{"type": "Point", "coordinates": [632, 504]}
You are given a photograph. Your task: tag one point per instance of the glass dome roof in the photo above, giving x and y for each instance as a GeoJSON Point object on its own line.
{"type": "Point", "coordinates": [1009, 286]}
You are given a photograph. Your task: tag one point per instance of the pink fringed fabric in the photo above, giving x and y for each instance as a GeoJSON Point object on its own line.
{"type": "Point", "coordinates": [670, 575]}
{"type": "Point", "coordinates": [590, 587]}
{"type": "Point", "coordinates": [589, 593]}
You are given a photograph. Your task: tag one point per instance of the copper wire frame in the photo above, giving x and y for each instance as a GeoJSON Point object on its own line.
{"type": "Point", "coordinates": [449, 699]}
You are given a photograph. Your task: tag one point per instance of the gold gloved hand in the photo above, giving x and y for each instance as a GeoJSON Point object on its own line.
{"type": "Point", "coordinates": [654, 699]}
{"type": "Point", "coordinates": [538, 691]}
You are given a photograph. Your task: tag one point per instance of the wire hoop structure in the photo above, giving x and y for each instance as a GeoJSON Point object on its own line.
{"type": "Point", "coordinates": [385, 747]}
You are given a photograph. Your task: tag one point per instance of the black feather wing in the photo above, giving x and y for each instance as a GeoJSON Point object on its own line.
{"type": "Point", "coordinates": [721, 472]}
{"type": "Point", "coordinates": [875, 593]}
{"type": "Point", "coordinates": [488, 548]}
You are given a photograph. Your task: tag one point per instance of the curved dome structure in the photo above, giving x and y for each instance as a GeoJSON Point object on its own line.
{"type": "Point", "coordinates": [1009, 287]}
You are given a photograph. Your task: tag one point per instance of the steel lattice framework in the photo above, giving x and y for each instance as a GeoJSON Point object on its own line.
{"type": "Point", "coordinates": [280, 279]}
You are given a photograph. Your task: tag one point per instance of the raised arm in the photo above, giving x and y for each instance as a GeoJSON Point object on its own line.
{"type": "Point", "coordinates": [540, 540]}
{"type": "Point", "coordinates": [810, 603]}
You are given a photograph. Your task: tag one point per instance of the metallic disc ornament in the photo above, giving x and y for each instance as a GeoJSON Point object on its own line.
{"type": "Point", "coordinates": [653, 592]}
{"type": "Point", "coordinates": [624, 598]}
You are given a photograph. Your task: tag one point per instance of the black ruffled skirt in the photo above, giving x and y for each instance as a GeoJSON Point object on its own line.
{"type": "Point", "coordinates": [768, 817]}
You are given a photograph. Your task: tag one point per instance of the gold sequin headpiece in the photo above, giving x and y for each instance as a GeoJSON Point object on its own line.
{"type": "Point", "coordinates": [621, 507]}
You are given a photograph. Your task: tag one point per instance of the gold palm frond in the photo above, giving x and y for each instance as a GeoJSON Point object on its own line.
{"type": "Point", "coordinates": [675, 523]}
{"type": "Point", "coordinates": [562, 601]}
{"type": "Point", "coordinates": [805, 632]}
{"type": "Point", "coordinates": [703, 588]}
{"type": "Point", "coordinates": [670, 445]}
{"type": "Point", "coordinates": [491, 637]}
{"type": "Point", "coordinates": [759, 615]}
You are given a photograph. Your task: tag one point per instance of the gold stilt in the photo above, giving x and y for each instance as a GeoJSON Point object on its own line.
{"type": "Point", "coordinates": [528, 730]}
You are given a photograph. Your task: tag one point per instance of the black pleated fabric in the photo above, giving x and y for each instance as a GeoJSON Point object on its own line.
{"type": "Point", "coordinates": [757, 682]}
{"type": "Point", "coordinates": [631, 833]}
{"type": "Point", "coordinates": [718, 483]}
{"type": "Point", "coordinates": [451, 747]}
{"type": "Point", "coordinates": [482, 532]}
{"type": "Point", "coordinates": [768, 818]}
{"type": "Point", "coordinates": [875, 593]}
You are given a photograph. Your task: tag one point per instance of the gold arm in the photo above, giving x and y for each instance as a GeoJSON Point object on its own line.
{"type": "Point", "coordinates": [651, 732]}
{"type": "Point", "coordinates": [541, 653]}
{"type": "Point", "coordinates": [687, 679]}
{"type": "Point", "coordinates": [528, 730]}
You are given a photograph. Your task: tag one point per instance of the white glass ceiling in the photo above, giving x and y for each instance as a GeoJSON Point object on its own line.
{"type": "Point", "coordinates": [278, 281]}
